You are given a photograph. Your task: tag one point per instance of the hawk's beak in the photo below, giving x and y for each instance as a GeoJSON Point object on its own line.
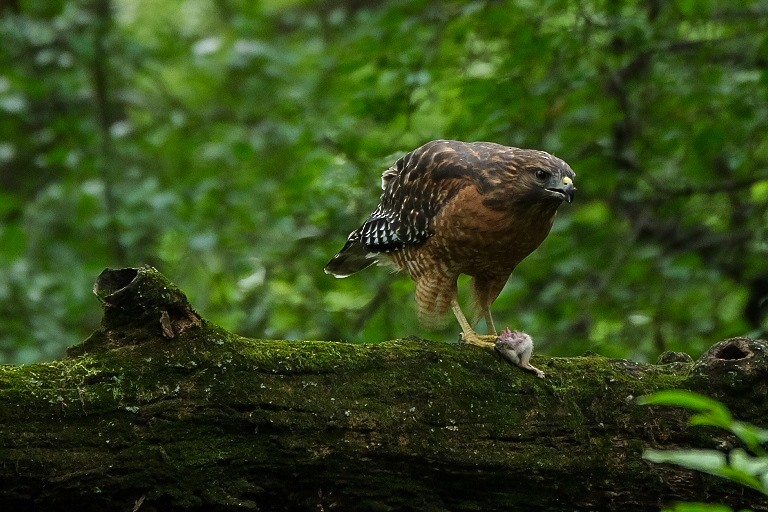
{"type": "Point", "coordinates": [564, 188]}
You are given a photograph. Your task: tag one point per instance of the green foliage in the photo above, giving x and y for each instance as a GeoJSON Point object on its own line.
{"type": "Point", "coordinates": [747, 467]}
{"type": "Point", "coordinates": [235, 144]}
{"type": "Point", "coordinates": [699, 507]}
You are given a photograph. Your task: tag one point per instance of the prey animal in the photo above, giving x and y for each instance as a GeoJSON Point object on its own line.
{"type": "Point", "coordinates": [450, 208]}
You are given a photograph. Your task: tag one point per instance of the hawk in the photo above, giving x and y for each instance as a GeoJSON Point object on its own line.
{"type": "Point", "coordinates": [451, 208]}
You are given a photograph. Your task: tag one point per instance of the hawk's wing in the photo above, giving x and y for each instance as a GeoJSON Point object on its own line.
{"type": "Point", "coordinates": [414, 191]}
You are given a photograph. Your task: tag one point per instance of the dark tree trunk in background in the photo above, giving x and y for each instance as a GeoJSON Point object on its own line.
{"type": "Point", "coordinates": [161, 410]}
{"type": "Point", "coordinates": [105, 117]}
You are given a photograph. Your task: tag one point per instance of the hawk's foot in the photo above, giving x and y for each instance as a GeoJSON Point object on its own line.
{"type": "Point", "coordinates": [479, 340]}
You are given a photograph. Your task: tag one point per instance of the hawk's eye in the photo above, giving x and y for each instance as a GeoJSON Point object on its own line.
{"type": "Point", "coordinates": [541, 174]}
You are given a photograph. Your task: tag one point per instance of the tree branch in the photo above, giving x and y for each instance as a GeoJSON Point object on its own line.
{"type": "Point", "coordinates": [161, 409]}
{"type": "Point", "coordinates": [732, 185]}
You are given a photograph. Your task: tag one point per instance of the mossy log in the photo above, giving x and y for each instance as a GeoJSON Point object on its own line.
{"type": "Point", "coordinates": [161, 410]}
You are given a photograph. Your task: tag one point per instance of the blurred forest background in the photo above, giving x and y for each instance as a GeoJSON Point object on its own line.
{"type": "Point", "coordinates": [234, 144]}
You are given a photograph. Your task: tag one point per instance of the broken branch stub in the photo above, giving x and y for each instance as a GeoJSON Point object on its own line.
{"type": "Point", "coordinates": [139, 304]}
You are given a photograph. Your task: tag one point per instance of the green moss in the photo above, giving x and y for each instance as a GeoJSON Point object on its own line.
{"type": "Point", "coordinates": [195, 406]}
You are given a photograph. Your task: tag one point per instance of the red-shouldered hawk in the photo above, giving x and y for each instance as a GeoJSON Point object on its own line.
{"type": "Point", "coordinates": [450, 208]}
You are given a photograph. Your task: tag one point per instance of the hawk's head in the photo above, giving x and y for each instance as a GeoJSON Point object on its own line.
{"type": "Point", "coordinates": [547, 178]}
{"type": "Point", "coordinates": [530, 177]}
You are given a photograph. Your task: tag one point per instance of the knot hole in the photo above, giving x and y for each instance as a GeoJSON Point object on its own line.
{"type": "Point", "coordinates": [734, 351]}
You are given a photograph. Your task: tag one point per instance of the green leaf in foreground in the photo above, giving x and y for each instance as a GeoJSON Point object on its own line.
{"type": "Point", "coordinates": [713, 412]}
{"type": "Point", "coordinates": [698, 507]}
{"type": "Point", "coordinates": [708, 461]}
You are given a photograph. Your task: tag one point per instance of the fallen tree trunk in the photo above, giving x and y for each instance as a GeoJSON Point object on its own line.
{"type": "Point", "coordinates": [161, 410]}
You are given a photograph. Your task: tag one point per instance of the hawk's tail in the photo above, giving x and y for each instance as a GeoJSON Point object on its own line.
{"type": "Point", "coordinates": [353, 257]}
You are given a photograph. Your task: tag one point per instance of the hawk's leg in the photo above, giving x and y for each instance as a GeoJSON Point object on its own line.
{"type": "Point", "coordinates": [467, 333]}
{"type": "Point", "coordinates": [489, 322]}
{"type": "Point", "coordinates": [485, 289]}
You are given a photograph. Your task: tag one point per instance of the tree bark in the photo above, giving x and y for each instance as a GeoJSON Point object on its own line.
{"type": "Point", "coordinates": [160, 409]}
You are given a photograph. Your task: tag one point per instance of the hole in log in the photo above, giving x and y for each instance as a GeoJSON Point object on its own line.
{"type": "Point", "coordinates": [112, 280]}
{"type": "Point", "coordinates": [733, 351]}
{"type": "Point", "coordinates": [736, 364]}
